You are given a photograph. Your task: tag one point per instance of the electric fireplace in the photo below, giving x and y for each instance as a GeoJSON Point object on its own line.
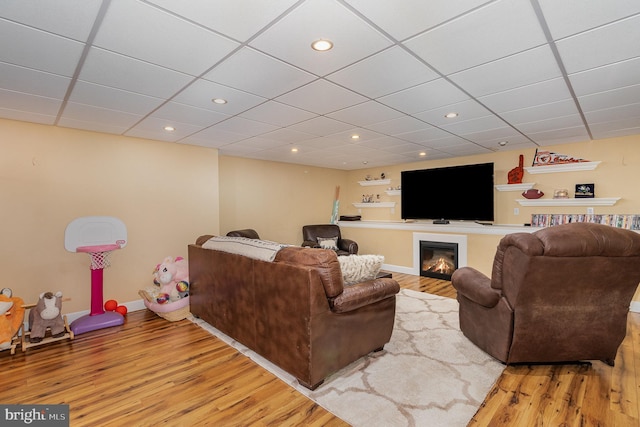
{"type": "Point", "coordinates": [438, 259]}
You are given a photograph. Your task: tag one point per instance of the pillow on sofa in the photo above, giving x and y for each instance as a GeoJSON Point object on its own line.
{"type": "Point", "coordinates": [359, 268]}
{"type": "Point", "coordinates": [328, 242]}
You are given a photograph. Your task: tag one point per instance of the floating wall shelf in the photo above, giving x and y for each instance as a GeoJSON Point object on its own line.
{"type": "Point", "coordinates": [606, 201]}
{"type": "Point", "coordinates": [514, 187]}
{"type": "Point", "coordinates": [565, 167]}
{"type": "Point", "coordinates": [393, 192]}
{"type": "Point", "coordinates": [375, 182]}
{"type": "Point", "coordinates": [375, 205]}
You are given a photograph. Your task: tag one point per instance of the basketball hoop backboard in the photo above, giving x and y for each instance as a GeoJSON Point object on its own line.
{"type": "Point", "coordinates": [95, 231]}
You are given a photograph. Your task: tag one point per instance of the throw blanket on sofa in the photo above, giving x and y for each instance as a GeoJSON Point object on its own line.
{"type": "Point", "coordinates": [263, 250]}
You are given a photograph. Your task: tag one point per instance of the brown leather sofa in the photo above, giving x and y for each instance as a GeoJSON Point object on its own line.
{"type": "Point", "coordinates": [311, 233]}
{"type": "Point", "coordinates": [560, 294]}
{"type": "Point", "coordinates": [293, 311]}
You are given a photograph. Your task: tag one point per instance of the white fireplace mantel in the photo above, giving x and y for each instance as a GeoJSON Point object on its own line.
{"type": "Point", "coordinates": [461, 240]}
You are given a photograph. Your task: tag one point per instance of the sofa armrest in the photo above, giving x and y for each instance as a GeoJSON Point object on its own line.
{"type": "Point", "coordinates": [475, 286]}
{"type": "Point", "coordinates": [310, 244]}
{"type": "Point", "coordinates": [348, 245]}
{"type": "Point", "coordinates": [364, 293]}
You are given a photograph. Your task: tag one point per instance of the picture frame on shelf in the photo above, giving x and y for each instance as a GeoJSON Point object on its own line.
{"type": "Point", "coordinates": [585, 191]}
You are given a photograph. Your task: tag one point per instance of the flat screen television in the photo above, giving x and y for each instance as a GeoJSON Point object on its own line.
{"type": "Point", "coordinates": [462, 193]}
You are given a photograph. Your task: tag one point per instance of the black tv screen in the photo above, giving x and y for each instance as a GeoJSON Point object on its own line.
{"type": "Point", "coordinates": [449, 193]}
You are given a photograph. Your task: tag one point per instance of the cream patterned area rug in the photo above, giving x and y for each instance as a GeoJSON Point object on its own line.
{"type": "Point", "coordinates": [429, 374]}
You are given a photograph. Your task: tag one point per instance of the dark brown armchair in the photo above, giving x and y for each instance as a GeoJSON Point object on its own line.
{"type": "Point", "coordinates": [328, 236]}
{"type": "Point", "coordinates": [560, 294]}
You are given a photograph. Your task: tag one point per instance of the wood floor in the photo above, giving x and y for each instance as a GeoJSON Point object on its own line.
{"type": "Point", "coordinates": [151, 372]}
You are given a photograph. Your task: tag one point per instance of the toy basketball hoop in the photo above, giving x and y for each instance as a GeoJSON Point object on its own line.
{"type": "Point", "coordinates": [97, 236]}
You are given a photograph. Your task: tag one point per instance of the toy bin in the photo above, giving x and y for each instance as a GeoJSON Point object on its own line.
{"type": "Point", "coordinates": [172, 311]}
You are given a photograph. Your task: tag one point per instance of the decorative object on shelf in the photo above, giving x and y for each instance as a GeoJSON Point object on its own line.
{"type": "Point", "coordinates": [382, 175]}
{"type": "Point", "coordinates": [515, 175]}
{"type": "Point", "coordinates": [368, 198]}
{"type": "Point", "coordinates": [545, 158]}
{"type": "Point", "coordinates": [532, 194]}
{"type": "Point", "coordinates": [368, 178]}
{"type": "Point", "coordinates": [561, 194]}
{"type": "Point", "coordinates": [585, 191]}
{"type": "Point", "coordinates": [336, 205]}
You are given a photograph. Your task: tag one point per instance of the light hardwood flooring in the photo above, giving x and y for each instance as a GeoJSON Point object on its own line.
{"type": "Point", "coordinates": [151, 372]}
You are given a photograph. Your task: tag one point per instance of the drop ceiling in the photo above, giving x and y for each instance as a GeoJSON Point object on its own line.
{"type": "Point", "coordinates": [525, 73]}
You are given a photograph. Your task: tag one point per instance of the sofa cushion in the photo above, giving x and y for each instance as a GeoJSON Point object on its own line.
{"type": "Point", "coordinates": [359, 268]}
{"type": "Point", "coordinates": [324, 260]}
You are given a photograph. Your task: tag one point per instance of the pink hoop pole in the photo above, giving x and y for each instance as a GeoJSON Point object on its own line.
{"type": "Point", "coordinates": [97, 318]}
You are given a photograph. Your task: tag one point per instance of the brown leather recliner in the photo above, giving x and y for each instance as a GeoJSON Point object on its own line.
{"type": "Point", "coordinates": [311, 233]}
{"type": "Point", "coordinates": [560, 294]}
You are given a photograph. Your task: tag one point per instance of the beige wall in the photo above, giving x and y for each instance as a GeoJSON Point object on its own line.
{"type": "Point", "coordinates": [165, 193]}
{"type": "Point", "coordinates": [276, 199]}
{"type": "Point", "coordinates": [168, 194]}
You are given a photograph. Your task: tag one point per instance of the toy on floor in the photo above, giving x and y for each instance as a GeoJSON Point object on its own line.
{"type": "Point", "coordinates": [46, 314]}
{"type": "Point", "coordinates": [112, 305]}
{"type": "Point", "coordinates": [169, 298]}
{"type": "Point", "coordinates": [11, 318]}
{"type": "Point", "coordinates": [172, 276]}
{"type": "Point", "coordinates": [97, 236]}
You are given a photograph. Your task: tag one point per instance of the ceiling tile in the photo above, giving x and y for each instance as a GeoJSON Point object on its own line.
{"type": "Point", "coordinates": [241, 126]}
{"type": "Point", "coordinates": [141, 31]}
{"type": "Point", "coordinates": [541, 112]}
{"type": "Point", "coordinates": [36, 49]}
{"type": "Point", "coordinates": [320, 19]}
{"type": "Point", "coordinates": [527, 96]}
{"type": "Point", "coordinates": [365, 113]}
{"type": "Point", "coordinates": [386, 72]}
{"type": "Point", "coordinates": [68, 18]}
{"type": "Point", "coordinates": [114, 70]}
{"type": "Point", "coordinates": [114, 99]}
{"type": "Point", "coordinates": [181, 113]}
{"type": "Point", "coordinates": [321, 126]}
{"type": "Point", "coordinates": [610, 99]}
{"type": "Point", "coordinates": [522, 69]}
{"type": "Point", "coordinates": [89, 114]}
{"type": "Point", "coordinates": [568, 17]}
{"type": "Point", "coordinates": [239, 20]}
{"type": "Point", "coordinates": [321, 97]}
{"type": "Point", "coordinates": [259, 74]}
{"type": "Point", "coordinates": [277, 113]}
{"type": "Point", "coordinates": [27, 80]}
{"type": "Point", "coordinates": [410, 17]}
{"type": "Point", "coordinates": [608, 77]}
{"type": "Point", "coordinates": [201, 93]}
{"type": "Point", "coordinates": [601, 46]}
{"type": "Point", "coordinates": [424, 97]}
{"type": "Point", "coordinates": [27, 103]}
{"type": "Point", "coordinates": [493, 31]}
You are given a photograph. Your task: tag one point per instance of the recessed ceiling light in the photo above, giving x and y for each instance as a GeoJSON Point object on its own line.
{"type": "Point", "coordinates": [422, 154]}
{"type": "Point", "coordinates": [355, 136]}
{"type": "Point", "coordinates": [503, 143]}
{"type": "Point", "coordinates": [365, 162]}
{"type": "Point", "coordinates": [219, 101]}
{"type": "Point", "coordinates": [451, 115]}
{"type": "Point", "coordinates": [322, 45]}
{"type": "Point", "coordinates": [169, 128]}
{"type": "Point", "coordinates": [294, 150]}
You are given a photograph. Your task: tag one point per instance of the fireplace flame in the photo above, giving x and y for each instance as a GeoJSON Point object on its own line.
{"type": "Point", "coordinates": [440, 266]}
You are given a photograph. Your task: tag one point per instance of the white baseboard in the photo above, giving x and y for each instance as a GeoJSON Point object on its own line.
{"type": "Point", "coordinates": [131, 306]}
